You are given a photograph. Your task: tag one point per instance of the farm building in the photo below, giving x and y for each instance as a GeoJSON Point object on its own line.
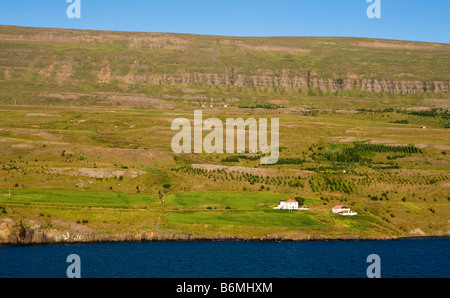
{"type": "Point", "coordinates": [348, 213]}
{"type": "Point", "coordinates": [340, 208]}
{"type": "Point", "coordinates": [288, 205]}
{"type": "Point", "coordinates": [343, 210]}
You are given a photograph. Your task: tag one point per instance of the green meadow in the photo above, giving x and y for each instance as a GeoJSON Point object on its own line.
{"type": "Point", "coordinates": [77, 198]}
{"type": "Point", "coordinates": [240, 201]}
{"type": "Point", "coordinates": [254, 219]}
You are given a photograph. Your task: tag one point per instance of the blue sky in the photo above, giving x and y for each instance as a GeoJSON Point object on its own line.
{"type": "Point", "coordinates": [420, 20]}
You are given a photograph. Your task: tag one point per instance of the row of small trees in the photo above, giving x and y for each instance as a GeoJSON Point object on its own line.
{"type": "Point", "coordinates": [317, 183]}
{"type": "Point", "coordinates": [387, 149]}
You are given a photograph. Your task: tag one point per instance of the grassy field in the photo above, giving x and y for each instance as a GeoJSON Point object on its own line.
{"type": "Point", "coordinates": [75, 198]}
{"type": "Point", "coordinates": [273, 219]}
{"type": "Point", "coordinates": [224, 200]}
{"type": "Point", "coordinates": [53, 158]}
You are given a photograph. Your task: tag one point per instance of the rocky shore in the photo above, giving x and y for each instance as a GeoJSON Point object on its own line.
{"type": "Point", "coordinates": [12, 234]}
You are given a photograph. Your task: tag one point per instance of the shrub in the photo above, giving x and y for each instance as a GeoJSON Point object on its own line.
{"type": "Point", "coordinates": [300, 200]}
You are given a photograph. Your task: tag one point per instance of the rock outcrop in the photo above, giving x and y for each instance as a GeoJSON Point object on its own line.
{"type": "Point", "coordinates": [32, 232]}
{"type": "Point", "coordinates": [290, 81]}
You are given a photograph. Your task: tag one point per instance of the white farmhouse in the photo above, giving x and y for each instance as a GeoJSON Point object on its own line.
{"type": "Point", "coordinates": [287, 205]}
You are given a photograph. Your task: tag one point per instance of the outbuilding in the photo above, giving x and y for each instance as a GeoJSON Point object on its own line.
{"type": "Point", "coordinates": [348, 213]}
{"type": "Point", "coordinates": [340, 208]}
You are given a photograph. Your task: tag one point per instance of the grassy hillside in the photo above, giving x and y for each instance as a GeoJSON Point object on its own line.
{"type": "Point", "coordinates": [73, 67]}
{"type": "Point", "coordinates": [88, 51]}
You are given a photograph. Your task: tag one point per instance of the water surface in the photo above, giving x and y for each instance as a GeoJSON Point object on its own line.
{"type": "Point", "coordinates": [404, 258]}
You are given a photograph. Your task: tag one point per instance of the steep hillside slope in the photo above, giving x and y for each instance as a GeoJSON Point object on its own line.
{"type": "Point", "coordinates": [48, 59]}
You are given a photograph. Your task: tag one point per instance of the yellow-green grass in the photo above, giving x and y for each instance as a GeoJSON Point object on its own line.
{"type": "Point", "coordinates": [63, 197]}
{"type": "Point", "coordinates": [57, 149]}
{"type": "Point", "coordinates": [100, 220]}
{"type": "Point", "coordinates": [223, 200]}
{"type": "Point", "coordinates": [273, 218]}
{"type": "Point", "coordinates": [52, 126]}
{"type": "Point", "coordinates": [297, 220]}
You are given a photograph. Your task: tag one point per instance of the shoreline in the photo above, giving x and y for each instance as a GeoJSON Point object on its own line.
{"type": "Point", "coordinates": [423, 237]}
{"type": "Point", "coordinates": [18, 234]}
{"type": "Point", "coordinates": [227, 239]}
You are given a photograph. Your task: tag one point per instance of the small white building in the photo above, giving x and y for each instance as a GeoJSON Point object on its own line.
{"type": "Point", "coordinates": [287, 205]}
{"type": "Point", "coordinates": [348, 213]}
{"type": "Point", "coordinates": [340, 208]}
{"type": "Point", "coordinates": [343, 210]}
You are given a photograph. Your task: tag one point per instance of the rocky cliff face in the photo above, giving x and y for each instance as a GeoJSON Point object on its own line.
{"type": "Point", "coordinates": [285, 79]}
{"type": "Point", "coordinates": [31, 232]}
{"type": "Point", "coordinates": [12, 233]}
{"type": "Point", "coordinates": [289, 81]}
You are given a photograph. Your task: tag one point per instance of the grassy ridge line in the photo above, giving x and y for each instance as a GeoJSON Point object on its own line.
{"type": "Point", "coordinates": [68, 207]}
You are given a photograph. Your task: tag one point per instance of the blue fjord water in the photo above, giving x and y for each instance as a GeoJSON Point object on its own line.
{"type": "Point", "coordinates": [427, 258]}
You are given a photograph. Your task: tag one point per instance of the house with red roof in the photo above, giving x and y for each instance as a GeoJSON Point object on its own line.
{"type": "Point", "coordinates": [288, 205]}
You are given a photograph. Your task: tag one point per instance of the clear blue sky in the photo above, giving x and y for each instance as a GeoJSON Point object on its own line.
{"type": "Point", "coordinates": [420, 20]}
